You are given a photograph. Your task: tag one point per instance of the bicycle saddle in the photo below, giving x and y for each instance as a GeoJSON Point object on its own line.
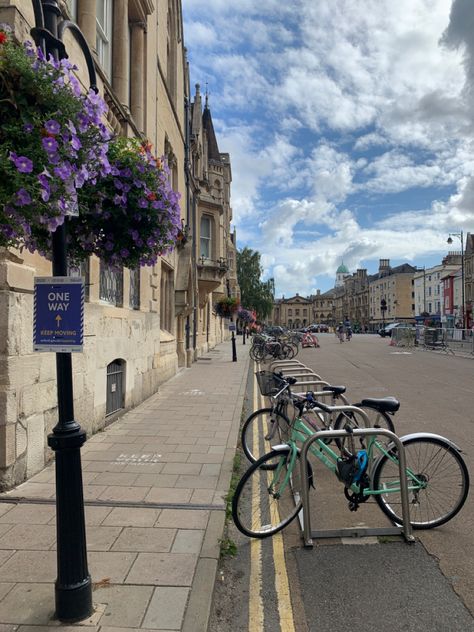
{"type": "Point", "coordinates": [384, 404]}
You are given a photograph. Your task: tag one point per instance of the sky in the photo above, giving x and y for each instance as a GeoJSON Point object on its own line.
{"type": "Point", "coordinates": [349, 124]}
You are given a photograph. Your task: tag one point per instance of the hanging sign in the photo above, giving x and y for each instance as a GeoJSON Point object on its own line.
{"type": "Point", "coordinates": [58, 317]}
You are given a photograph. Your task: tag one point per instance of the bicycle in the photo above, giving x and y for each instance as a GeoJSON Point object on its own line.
{"type": "Point", "coordinates": [270, 425]}
{"type": "Point", "coordinates": [264, 349]}
{"type": "Point", "coordinates": [438, 480]}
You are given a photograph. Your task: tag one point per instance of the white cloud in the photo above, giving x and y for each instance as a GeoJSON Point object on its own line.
{"type": "Point", "coordinates": [302, 88]}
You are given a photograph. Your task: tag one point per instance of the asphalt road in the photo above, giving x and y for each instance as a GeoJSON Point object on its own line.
{"type": "Point", "coordinates": [436, 392]}
{"type": "Point", "coordinates": [367, 584]}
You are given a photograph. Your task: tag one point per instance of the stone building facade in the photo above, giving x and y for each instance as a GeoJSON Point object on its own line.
{"type": "Point", "coordinates": [215, 245]}
{"type": "Point", "coordinates": [395, 286]}
{"type": "Point", "coordinates": [469, 279]}
{"type": "Point", "coordinates": [293, 312]}
{"type": "Point", "coordinates": [140, 325]}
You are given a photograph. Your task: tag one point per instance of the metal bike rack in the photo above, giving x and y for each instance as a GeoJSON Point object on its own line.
{"type": "Point", "coordinates": [308, 534]}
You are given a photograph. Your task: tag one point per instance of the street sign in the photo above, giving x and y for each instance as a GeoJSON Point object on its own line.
{"type": "Point", "coordinates": [232, 327]}
{"type": "Point", "coordinates": [58, 320]}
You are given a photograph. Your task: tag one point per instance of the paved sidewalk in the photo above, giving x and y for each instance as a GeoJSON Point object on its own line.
{"type": "Point", "coordinates": [154, 486]}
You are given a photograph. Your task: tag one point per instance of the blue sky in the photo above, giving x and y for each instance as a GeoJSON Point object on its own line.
{"type": "Point", "coordinates": [349, 125]}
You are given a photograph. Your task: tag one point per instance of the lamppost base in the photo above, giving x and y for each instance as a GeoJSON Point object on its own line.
{"type": "Point", "coordinates": [73, 587]}
{"type": "Point", "coordinates": [74, 603]}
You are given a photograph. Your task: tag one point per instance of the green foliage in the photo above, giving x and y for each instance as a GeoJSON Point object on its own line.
{"type": "Point", "coordinates": [256, 294]}
{"type": "Point", "coordinates": [228, 547]}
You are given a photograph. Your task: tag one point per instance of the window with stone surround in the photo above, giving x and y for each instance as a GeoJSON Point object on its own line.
{"type": "Point", "coordinates": [134, 293]}
{"type": "Point", "coordinates": [111, 285]}
{"type": "Point", "coordinates": [166, 297]}
{"type": "Point", "coordinates": [81, 270]}
{"type": "Point", "coordinates": [171, 50]}
{"type": "Point", "coordinates": [205, 237]}
{"type": "Point", "coordinates": [104, 35]}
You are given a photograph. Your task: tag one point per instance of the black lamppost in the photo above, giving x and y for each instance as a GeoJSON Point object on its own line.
{"type": "Point", "coordinates": [234, 346]}
{"type": "Point", "coordinates": [460, 236]}
{"type": "Point", "coordinates": [73, 587]}
{"type": "Point", "coordinates": [383, 308]}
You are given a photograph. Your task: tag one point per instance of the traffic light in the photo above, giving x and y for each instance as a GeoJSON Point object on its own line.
{"type": "Point", "coordinates": [383, 305]}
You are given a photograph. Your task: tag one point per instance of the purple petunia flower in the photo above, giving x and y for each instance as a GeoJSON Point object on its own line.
{"type": "Point", "coordinates": [53, 158]}
{"type": "Point", "coordinates": [49, 144]}
{"type": "Point", "coordinates": [120, 200]}
{"type": "Point", "coordinates": [22, 163]}
{"type": "Point", "coordinates": [124, 253]}
{"type": "Point", "coordinates": [23, 198]}
{"type": "Point", "coordinates": [109, 245]}
{"type": "Point", "coordinates": [76, 143]}
{"type": "Point", "coordinates": [28, 128]}
{"type": "Point", "coordinates": [143, 203]}
{"type": "Point", "coordinates": [64, 171]}
{"type": "Point", "coordinates": [52, 126]}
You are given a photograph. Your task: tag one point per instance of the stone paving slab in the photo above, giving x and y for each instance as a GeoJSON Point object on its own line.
{"type": "Point", "coordinates": [154, 487]}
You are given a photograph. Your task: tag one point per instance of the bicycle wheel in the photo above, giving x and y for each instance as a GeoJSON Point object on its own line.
{"type": "Point", "coordinates": [377, 419]}
{"type": "Point", "coordinates": [287, 352]}
{"type": "Point", "coordinates": [445, 482]}
{"type": "Point", "coordinates": [263, 503]}
{"type": "Point", "coordinates": [263, 429]}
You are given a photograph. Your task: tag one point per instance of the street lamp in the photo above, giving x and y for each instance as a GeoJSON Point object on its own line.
{"type": "Point", "coordinates": [460, 236]}
{"type": "Point", "coordinates": [73, 586]}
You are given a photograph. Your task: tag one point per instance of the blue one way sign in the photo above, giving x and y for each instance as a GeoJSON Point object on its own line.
{"type": "Point", "coordinates": [58, 320]}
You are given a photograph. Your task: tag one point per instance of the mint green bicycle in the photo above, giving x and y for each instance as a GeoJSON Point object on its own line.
{"type": "Point", "coordinates": [268, 497]}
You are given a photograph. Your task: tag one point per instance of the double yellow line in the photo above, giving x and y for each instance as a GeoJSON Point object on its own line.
{"type": "Point", "coordinates": [282, 588]}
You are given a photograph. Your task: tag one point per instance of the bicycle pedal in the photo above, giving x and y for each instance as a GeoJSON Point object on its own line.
{"type": "Point", "coordinates": [353, 506]}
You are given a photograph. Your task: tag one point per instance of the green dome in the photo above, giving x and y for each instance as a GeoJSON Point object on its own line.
{"type": "Point", "coordinates": [342, 269]}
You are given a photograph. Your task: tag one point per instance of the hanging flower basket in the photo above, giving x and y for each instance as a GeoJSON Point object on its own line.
{"type": "Point", "coordinates": [245, 315]}
{"type": "Point", "coordinates": [226, 307]}
{"type": "Point", "coordinates": [183, 235]}
{"type": "Point", "coordinates": [129, 217]}
{"type": "Point", "coordinates": [52, 141]}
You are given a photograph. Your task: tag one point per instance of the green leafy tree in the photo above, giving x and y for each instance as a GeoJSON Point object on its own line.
{"type": "Point", "coordinates": [255, 293]}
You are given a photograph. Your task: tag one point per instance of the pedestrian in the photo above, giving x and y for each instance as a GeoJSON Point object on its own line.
{"type": "Point", "coordinates": [340, 332]}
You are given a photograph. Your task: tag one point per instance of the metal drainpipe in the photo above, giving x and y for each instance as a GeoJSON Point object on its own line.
{"type": "Point", "coordinates": [188, 192]}
{"type": "Point", "coordinates": [194, 266]}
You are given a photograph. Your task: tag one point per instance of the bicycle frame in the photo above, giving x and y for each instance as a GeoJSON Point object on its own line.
{"type": "Point", "coordinates": [300, 433]}
{"type": "Point", "coordinates": [329, 458]}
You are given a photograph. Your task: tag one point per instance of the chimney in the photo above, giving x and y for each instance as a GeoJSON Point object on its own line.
{"type": "Point", "coordinates": [318, 292]}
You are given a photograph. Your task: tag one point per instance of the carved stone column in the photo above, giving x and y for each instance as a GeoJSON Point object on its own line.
{"type": "Point", "coordinates": [120, 59]}
{"type": "Point", "coordinates": [137, 74]}
{"type": "Point", "coordinates": [86, 19]}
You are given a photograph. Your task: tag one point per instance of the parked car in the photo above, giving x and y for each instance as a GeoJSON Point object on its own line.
{"type": "Point", "coordinates": [387, 330]}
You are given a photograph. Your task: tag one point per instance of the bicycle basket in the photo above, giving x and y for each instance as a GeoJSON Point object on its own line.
{"type": "Point", "coordinates": [269, 383]}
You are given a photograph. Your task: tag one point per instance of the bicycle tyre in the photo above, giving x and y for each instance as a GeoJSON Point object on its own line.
{"type": "Point", "coordinates": [261, 517]}
{"type": "Point", "coordinates": [436, 461]}
{"type": "Point", "coordinates": [263, 419]}
{"type": "Point", "coordinates": [287, 352]}
{"type": "Point", "coordinates": [382, 421]}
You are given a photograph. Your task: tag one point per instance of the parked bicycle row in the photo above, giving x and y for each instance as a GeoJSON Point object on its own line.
{"type": "Point", "coordinates": [285, 346]}
{"type": "Point", "coordinates": [299, 404]}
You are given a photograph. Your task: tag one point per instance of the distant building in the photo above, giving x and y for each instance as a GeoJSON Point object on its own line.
{"type": "Point", "coordinates": [395, 287]}
{"type": "Point", "coordinates": [341, 273]}
{"type": "Point", "coordinates": [469, 278]}
{"type": "Point", "coordinates": [428, 287]}
{"type": "Point", "coordinates": [292, 313]}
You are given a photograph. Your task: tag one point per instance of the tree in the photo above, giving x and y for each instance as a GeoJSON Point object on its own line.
{"type": "Point", "coordinates": [255, 294]}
